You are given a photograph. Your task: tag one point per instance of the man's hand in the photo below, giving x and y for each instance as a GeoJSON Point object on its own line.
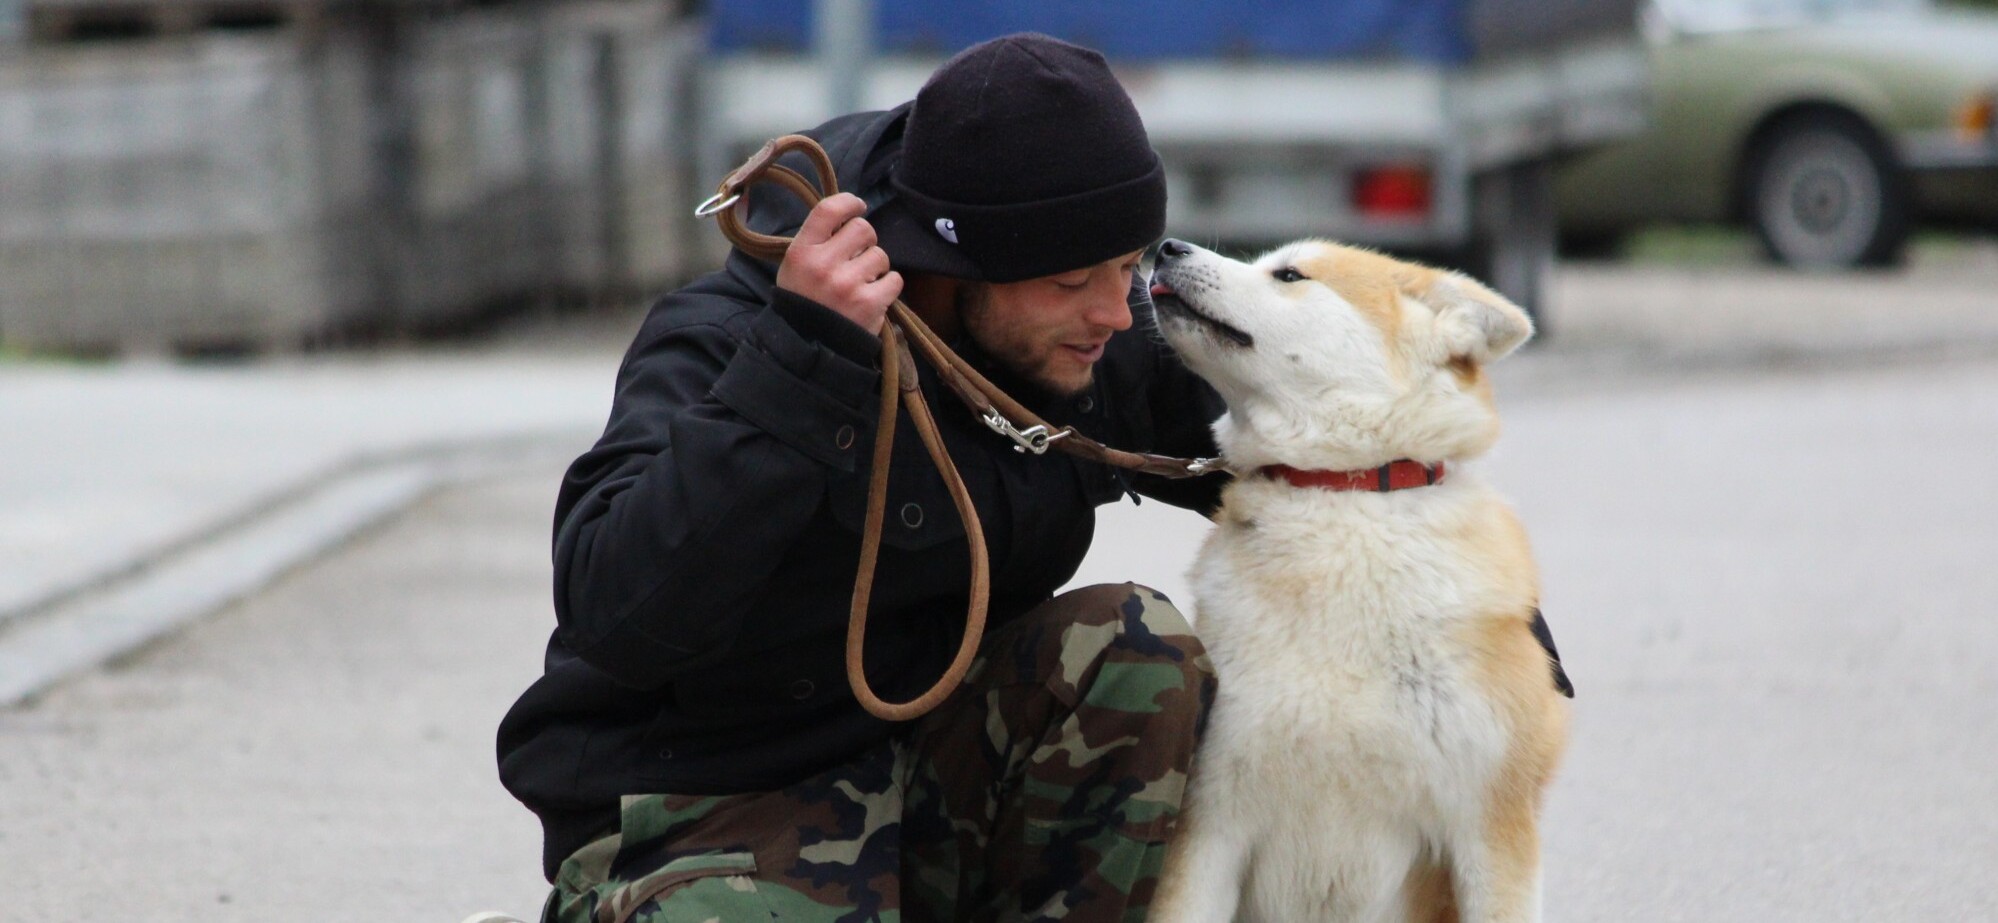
{"type": "Point", "coordinates": [834, 261]}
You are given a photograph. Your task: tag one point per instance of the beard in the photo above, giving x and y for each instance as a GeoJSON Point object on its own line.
{"type": "Point", "coordinates": [1029, 352]}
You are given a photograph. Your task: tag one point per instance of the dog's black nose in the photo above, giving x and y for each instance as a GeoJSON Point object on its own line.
{"type": "Point", "coordinates": [1173, 249]}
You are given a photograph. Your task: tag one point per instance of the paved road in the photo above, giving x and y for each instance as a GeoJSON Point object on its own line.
{"type": "Point", "coordinates": [170, 452]}
{"type": "Point", "coordinates": [1773, 591]}
{"type": "Point", "coordinates": [319, 752]}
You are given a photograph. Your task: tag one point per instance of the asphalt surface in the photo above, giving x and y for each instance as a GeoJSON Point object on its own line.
{"type": "Point", "coordinates": [322, 751]}
{"type": "Point", "coordinates": [131, 459]}
{"type": "Point", "coordinates": [1768, 573]}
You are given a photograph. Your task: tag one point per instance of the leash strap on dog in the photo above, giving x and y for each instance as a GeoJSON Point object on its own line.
{"type": "Point", "coordinates": [899, 388]}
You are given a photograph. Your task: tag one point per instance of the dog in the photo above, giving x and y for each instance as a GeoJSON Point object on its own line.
{"type": "Point", "coordinates": [1391, 704]}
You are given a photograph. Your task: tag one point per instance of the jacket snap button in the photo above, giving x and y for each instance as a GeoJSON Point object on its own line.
{"type": "Point", "coordinates": [803, 689]}
{"type": "Point", "coordinates": [844, 437]}
{"type": "Point", "coordinates": [1087, 404]}
{"type": "Point", "coordinates": [912, 515]}
{"type": "Point", "coordinates": [666, 753]}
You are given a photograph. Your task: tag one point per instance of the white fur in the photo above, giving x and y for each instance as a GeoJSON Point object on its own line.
{"type": "Point", "coordinates": [1353, 740]}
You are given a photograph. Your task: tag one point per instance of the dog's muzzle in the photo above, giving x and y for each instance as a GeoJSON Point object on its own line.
{"type": "Point", "coordinates": [1169, 301]}
{"type": "Point", "coordinates": [1166, 296]}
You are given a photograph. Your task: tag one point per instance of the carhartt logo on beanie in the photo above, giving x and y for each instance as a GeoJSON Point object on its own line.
{"type": "Point", "coordinates": [1027, 154]}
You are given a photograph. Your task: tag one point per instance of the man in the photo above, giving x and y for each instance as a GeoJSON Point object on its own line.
{"type": "Point", "coordinates": [694, 751]}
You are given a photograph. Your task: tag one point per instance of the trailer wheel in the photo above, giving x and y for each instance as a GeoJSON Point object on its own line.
{"type": "Point", "coordinates": [1822, 192]}
{"type": "Point", "coordinates": [1598, 245]}
{"type": "Point", "coordinates": [1513, 240]}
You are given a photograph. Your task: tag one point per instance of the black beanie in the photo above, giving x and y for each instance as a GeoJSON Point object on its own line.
{"type": "Point", "coordinates": [1023, 157]}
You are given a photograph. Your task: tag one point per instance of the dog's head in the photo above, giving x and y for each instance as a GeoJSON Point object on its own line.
{"type": "Point", "coordinates": [1336, 357]}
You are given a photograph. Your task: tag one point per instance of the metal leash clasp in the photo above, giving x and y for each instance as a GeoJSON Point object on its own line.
{"type": "Point", "coordinates": [1035, 439]}
{"type": "Point", "coordinates": [1200, 466]}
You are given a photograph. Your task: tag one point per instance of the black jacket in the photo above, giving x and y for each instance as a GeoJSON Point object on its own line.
{"type": "Point", "coordinates": [705, 549]}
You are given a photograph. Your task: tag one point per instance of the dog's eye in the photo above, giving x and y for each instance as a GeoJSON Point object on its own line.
{"type": "Point", "coordinates": [1288, 274]}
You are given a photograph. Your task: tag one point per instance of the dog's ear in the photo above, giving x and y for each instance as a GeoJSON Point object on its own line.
{"type": "Point", "coordinates": [1475, 321]}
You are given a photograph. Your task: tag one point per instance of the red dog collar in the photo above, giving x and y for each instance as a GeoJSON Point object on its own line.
{"type": "Point", "coordinates": [1397, 475]}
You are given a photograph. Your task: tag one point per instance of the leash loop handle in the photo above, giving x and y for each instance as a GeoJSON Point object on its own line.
{"type": "Point", "coordinates": [899, 389]}
{"type": "Point", "coordinates": [730, 204]}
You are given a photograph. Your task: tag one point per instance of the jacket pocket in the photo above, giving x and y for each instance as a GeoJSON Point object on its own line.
{"type": "Point", "coordinates": [919, 513]}
{"type": "Point", "coordinates": [685, 854]}
{"type": "Point", "coordinates": [778, 682]}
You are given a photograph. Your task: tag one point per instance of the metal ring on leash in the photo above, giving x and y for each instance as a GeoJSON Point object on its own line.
{"type": "Point", "coordinates": [715, 204]}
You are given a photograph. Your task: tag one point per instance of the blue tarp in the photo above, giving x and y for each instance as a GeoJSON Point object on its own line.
{"type": "Point", "coordinates": [1427, 30]}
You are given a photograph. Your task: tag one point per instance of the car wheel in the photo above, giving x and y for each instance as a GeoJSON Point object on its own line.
{"type": "Point", "coordinates": [1593, 244]}
{"type": "Point", "coordinates": [1822, 193]}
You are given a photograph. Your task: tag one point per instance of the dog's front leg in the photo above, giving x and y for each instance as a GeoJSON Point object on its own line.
{"type": "Point", "coordinates": [1497, 872]}
{"type": "Point", "coordinates": [1202, 878]}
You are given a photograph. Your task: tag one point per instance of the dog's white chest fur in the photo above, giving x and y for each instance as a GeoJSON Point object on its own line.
{"type": "Point", "coordinates": [1352, 739]}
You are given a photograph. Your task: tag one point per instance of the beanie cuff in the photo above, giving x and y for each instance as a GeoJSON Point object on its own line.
{"type": "Point", "coordinates": [1027, 240]}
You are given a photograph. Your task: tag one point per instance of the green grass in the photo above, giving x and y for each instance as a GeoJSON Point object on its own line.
{"type": "Point", "coordinates": [1716, 246]}
{"type": "Point", "coordinates": [1693, 245]}
{"type": "Point", "coordinates": [11, 354]}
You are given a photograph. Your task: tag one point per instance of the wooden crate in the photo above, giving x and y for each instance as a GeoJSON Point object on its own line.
{"type": "Point", "coordinates": [178, 194]}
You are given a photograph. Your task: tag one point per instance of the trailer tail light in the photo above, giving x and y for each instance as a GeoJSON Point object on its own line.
{"type": "Point", "coordinates": [1393, 191]}
{"type": "Point", "coordinates": [1977, 117]}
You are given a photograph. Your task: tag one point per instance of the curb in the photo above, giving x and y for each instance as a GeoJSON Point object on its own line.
{"type": "Point", "coordinates": [129, 606]}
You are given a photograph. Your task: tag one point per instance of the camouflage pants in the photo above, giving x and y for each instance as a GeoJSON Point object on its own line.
{"type": "Point", "coordinates": [1046, 788]}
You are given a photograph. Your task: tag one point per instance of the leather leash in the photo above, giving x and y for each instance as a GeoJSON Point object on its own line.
{"type": "Point", "coordinates": [899, 387]}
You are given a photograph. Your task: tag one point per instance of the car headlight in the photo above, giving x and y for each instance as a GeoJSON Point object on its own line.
{"type": "Point", "coordinates": [1977, 117]}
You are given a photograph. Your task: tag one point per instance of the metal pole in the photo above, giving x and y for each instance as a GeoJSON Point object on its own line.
{"type": "Point", "coordinates": [13, 21]}
{"type": "Point", "coordinates": [13, 15]}
{"type": "Point", "coordinates": [544, 230]}
{"type": "Point", "coordinates": [386, 42]}
{"type": "Point", "coordinates": [843, 31]}
{"type": "Point", "coordinates": [613, 111]}
{"type": "Point", "coordinates": [13, 31]}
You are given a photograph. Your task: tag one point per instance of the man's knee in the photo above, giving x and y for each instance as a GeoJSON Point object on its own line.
{"type": "Point", "coordinates": [1126, 647]}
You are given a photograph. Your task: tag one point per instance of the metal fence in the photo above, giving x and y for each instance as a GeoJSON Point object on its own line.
{"type": "Point", "coordinates": [266, 189]}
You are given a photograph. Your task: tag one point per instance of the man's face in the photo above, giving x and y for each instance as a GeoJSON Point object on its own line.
{"type": "Point", "coordinates": [1051, 330]}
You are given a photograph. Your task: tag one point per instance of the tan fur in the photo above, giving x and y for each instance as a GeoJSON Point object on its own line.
{"type": "Point", "coordinates": [1469, 375]}
{"type": "Point", "coordinates": [1431, 899]}
{"type": "Point", "coordinates": [1370, 282]}
{"type": "Point", "coordinates": [1512, 671]}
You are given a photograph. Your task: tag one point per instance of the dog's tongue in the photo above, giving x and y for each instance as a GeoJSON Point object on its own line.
{"type": "Point", "coordinates": [1160, 288]}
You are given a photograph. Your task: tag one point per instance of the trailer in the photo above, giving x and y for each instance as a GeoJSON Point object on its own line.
{"type": "Point", "coordinates": [1423, 126]}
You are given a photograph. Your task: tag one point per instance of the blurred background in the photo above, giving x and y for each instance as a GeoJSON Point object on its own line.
{"type": "Point", "coordinates": [304, 304]}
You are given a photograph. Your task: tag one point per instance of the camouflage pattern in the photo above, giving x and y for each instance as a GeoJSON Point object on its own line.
{"type": "Point", "coordinates": [1045, 788]}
